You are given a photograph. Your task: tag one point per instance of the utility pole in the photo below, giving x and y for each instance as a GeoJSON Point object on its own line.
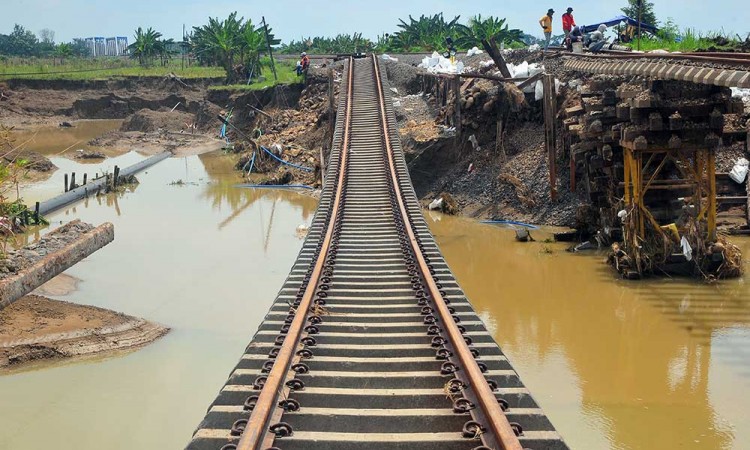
{"type": "Point", "coordinates": [270, 50]}
{"type": "Point", "coordinates": [183, 44]}
{"type": "Point", "coordinates": [640, 14]}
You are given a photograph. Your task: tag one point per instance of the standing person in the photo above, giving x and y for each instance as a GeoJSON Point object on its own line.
{"type": "Point", "coordinates": [568, 22]}
{"type": "Point", "coordinates": [546, 23]}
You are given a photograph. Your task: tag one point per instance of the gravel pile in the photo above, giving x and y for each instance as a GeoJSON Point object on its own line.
{"type": "Point", "coordinates": [403, 77]}
{"type": "Point", "coordinates": [482, 192]}
{"type": "Point", "coordinates": [17, 260]}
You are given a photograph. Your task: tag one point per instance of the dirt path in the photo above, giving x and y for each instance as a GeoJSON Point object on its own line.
{"type": "Point", "coordinates": [38, 328]}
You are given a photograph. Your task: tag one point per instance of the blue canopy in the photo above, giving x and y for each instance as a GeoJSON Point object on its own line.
{"type": "Point", "coordinates": [616, 21]}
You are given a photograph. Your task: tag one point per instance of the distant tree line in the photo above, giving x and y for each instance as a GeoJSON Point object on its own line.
{"type": "Point", "coordinates": [24, 43]}
{"type": "Point", "coordinates": [426, 33]}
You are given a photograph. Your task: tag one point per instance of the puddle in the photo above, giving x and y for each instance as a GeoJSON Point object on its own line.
{"type": "Point", "coordinates": [653, 364]}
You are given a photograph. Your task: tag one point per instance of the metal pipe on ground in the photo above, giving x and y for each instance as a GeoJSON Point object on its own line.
{"type": "Point", "coordinates": [78, 193]}
{"type": "Point", "coordinates": [16, 286]}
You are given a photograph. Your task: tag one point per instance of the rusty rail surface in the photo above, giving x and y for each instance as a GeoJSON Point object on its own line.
{"type": "Point", "coordinates": [502, 435]}
{"type": "Point", "coordinates": [727, 58]}
{"type": "Point", "coordinates": [378, 347]}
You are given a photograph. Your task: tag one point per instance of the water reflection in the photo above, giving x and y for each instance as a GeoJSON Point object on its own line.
{"type": "Point", "coordinates": [616, 364]}
{"type": "Point", "coordinates": [171, 263]}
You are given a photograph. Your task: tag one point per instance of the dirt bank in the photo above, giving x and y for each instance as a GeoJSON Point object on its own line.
{"type": "Point", "coordinates": [37, 328]}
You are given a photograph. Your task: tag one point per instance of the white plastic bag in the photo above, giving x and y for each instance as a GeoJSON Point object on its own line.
{"type": "Point", "coordinates": [739, 171]}
{"type": "Point", "coordinates": [687, 250]}
{"type": "Point", "coordinates": [436, 204]}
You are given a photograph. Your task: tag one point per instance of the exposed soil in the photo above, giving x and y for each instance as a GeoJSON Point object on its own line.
{"type": "Point", "coordinates": [37, 328]}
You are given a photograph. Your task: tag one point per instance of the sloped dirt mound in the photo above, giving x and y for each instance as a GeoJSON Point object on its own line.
{"type": "Point", "coordinates": [147, 120]}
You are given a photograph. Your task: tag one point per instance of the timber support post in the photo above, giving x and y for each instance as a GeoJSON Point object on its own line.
{"type": "Point", "coordinates": [550, 137]}
{"type": "Point", "coordinates": [457, 104]}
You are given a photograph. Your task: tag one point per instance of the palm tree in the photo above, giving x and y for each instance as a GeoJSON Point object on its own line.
{"type": "Point", "coordinates": [147, 45]}
{"type": "Point", "coordinates": [487, 33]}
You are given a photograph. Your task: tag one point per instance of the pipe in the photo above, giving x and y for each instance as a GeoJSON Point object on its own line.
{"type": "Point", "coordinates": [78, 193]}
{"type": "Point", "coordinates": [306, 169]}
{"type": "Point", "coordinates": [511, 222]}
{"type": "Point", "coordinates": [48, 267]}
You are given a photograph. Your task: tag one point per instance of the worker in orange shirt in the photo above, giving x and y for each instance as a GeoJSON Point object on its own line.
{"type": "Point", "coordinates": [568, 22]}
{"type": "Point", "coordinates": [546, 23]}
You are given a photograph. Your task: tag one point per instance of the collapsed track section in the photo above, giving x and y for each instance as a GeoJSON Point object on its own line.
{"type": "Point", "coordinates": [371, 344]}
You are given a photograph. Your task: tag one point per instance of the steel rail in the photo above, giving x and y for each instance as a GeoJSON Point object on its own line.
{"type": "Point", "coordinates": [257, 430]}
{"type": "Point", "coordinates": [493, 413]}
{"type": "Point", "coordinates": [742, 59]}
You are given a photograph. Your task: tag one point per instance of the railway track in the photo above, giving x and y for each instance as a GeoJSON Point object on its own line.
{"type": "Point", "coordinates": [719, 58]}
{"type": "Point", "coordinates": [371, 344]}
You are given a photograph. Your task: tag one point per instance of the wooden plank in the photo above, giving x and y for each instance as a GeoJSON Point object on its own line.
{"type": "Point", "coordinates": [574, 111]}
{"type": "Point", "coordinates": [529, 81]}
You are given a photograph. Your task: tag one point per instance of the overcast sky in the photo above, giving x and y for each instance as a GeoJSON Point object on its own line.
{"type": "Point", "coordinates": [292, 19]}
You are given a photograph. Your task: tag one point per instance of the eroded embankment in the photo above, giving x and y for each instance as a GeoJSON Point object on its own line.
{"type": "Point", "coordinates": [38, 328]}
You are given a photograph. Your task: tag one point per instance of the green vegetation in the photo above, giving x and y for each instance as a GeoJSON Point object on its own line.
{"type": "Point", "coordinates": [424, 34]}
{"type": "Point", "coordinates": [342, 43]}
{"type": "Point", "coordinates": [96, 69]}
{"type": "Point", "coordinates": [235, 44]}
{"type": "Point", "coordinates": [22, 42]}
{"type": "Point", "coordinates": [285, 70]}
{"type": "Point", "coordinates": [671, 38]}
{"type": "Point", "coordinates": [428, 33]}
{"type": "Point", "coordinates": [646, 12]}
{"type": "Point", "coordinates": [13, 170]}
{"type": "Point", "coordinates": [148, 46]}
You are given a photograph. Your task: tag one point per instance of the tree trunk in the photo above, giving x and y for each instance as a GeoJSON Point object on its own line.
{"type": "Point", "coordinates": [491, 48]}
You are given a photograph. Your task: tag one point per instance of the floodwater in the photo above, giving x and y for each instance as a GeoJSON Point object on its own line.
{"type": "Point", "coordinates": [656, 364]}
{"type": "Point", "coordinates": [620, 365]}
{"type": "Point", "coordinates": [202, 257]}
{"type": "Point", "coordinates": [53, 140]}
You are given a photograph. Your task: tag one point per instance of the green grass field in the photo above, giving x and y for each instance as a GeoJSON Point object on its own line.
{"type": "Point", "coordinates": [688, 40]}
{"type": "Point", "coordinates": [284, 71]}
{"type": "Point", "coordinates": [97, 69]}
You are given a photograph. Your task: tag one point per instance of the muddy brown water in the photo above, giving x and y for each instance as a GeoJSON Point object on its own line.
{"type": "Point", "coordinates": [52, 140]}
{"type": "Point", "coordinates": [657, 364]}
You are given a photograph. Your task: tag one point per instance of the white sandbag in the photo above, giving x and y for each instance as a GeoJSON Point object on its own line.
{"type": "Point", "coordinates": [538, 91]}
{"type": "Point", "coordinates": [739, 171]}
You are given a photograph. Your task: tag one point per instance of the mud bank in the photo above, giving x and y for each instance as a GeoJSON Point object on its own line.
{"type": "Point", "coordinates": [37, 329]}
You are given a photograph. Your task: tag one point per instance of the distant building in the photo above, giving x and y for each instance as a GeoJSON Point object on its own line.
{"type": "Point", "coordinates": [111, 46]}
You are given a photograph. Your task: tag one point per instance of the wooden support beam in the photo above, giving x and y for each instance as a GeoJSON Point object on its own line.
{"type": "Point", "coordinates": [499, 140]}
{"type": "Point", "coordinates": [711, 213]}
{"type": "Point", "coordinates": [550, 112]}
{"type": "Point", "coordinates": [529, 81]}
{"type": "Point", "coordinates": [457, 104]}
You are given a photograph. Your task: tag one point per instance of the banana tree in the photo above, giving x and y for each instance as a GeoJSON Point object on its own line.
{"type": "Point", "coordinates": [487, 33]}
{"type": "Point", "coordinates": [147, 45]}
{"type": "Point", "coordinates": [219, 42]}
{"type": "Point", "coordinates": [426, 33]}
